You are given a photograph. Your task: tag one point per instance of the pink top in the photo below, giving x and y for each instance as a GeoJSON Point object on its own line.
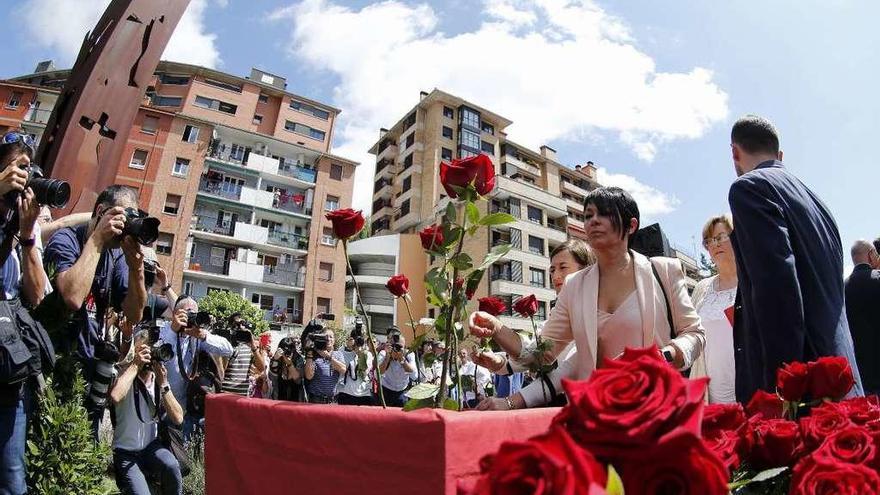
{"type": "Point", "coordinates": [620, 329]}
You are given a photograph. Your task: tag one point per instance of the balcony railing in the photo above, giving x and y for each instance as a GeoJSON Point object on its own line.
{"type": "Point", "coordinates": [501, 275]}
{"type": "Point", "coordinates": [275, 275]}
{"type": "Point", "coordinates": [499, 209]}
{"type": "Point", "coordinates": [38, 115]}
{"type": "Point", "coordinates": [288, 204]}
{"type": "Point", "coordinates": [227, 155]}
{"type": "Point", "coordinates": [288, 239]}
{"type": "Point", "coordinates": [560, 228]}
{"type": "Point", "coordinates": [219, 188]}
{"type": "Point", "coordinates": [214, 225]}
{"type": "Point", "coordinates": [298, 172]}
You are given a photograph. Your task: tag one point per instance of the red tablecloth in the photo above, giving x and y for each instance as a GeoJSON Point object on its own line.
{"type": "Point", "coordinates": [265, 446]}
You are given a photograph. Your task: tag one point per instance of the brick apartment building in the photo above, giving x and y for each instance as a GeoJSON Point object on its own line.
{"type": "Point", "coordinates": [239, 171]}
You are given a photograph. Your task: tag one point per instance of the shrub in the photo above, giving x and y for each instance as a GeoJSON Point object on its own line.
{"type": "Point", "coordinates": [223, 304]}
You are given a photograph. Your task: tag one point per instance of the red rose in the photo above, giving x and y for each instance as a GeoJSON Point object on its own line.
{"type": "Point", "coordinates": [852, 444]}
{"type": "Point", "coordinates": [822, 422]}
{"type": "Point", "coordinates": [777, 443]}
{"type": "Point", "coordinates": [460, 173]}
{"type": "Point", "coordinates": [680, 463]}
{"type": "Point", "coordinates": [830, 377]}
{"type": "Point", "coordinates": [728, 446]}
{"type": "Point", "coordinates": [630, 403]}
{"type": "Point", "coordinates": [432, 237]}
{"type": "Point", "coordinates": [346, 222]}
{"type": "Point", "coordinates": [526, 305]}
{"type": "Point", "coordinates": [864, 411]}
{"type": "Point", "coordinates": [768, 405]}
{"type": "Point", "coordinates": [816, 475]}
{"type": "Point", "coordinates": [718, 418]}
{"type": "Point", "coordinates": [548, 464]}
{"type": "Point", "coordinates": [792, 380]}
{"type": "Point", "coordinates": [398, 285]}
{"type": "Point", "coordinates": [492, 305]}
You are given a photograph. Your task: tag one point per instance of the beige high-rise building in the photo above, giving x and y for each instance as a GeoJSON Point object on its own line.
{"type": "Point", "coordinates": [408, 196]}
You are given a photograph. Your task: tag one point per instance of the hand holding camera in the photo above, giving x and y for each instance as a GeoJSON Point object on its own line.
{"type": "Point", "coordinates": [142, 356]}
{"type": "Point", "coordinates": [161, 373]}
{"type": "Point", "coordinates": [110, 225]}
{"type": "Point", "coordinates": [28, 211]}
{"type": "Point", "coordinates": [13, 179]}
{"type": "Point", "coordinates": [134, 258]}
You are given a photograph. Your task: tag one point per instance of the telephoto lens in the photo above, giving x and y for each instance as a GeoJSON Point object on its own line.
{"type": "Point", "coordinates": [141, 226]}
{"type": "Point", "coordinates": [106, 356]}
{"type": "Point", "coordinates": [200, 319]}
{"type": "Point", "coordinates": [54, 193]}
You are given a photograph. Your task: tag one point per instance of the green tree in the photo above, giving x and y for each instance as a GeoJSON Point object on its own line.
{"type": "Point", "coordinates": [223, 304]}
{"type": "Point", "coordinates": [706, 264]}
{"type": "Point", "coordinates": [366, 231]}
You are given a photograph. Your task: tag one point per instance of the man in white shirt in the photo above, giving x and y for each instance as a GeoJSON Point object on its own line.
{"type": "Point", "coordinates": [141, 395]}
{"type": "Point", "coordinates": [479, 377]}
{"type": "Point", "coordinates": [397, 365]}
{"type": "Point", "coordinates": [354, 387]}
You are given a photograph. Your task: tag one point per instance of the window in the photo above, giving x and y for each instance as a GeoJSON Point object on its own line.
{"type": "Point", "coordinates": [167, 101]}
{"type": "Point", "coordinates": [172, 79]}
{"type": "Point", "coordinates": [266, 301]}
{"type": "Point", "coordinates": [447, 132]}
{"type": "Point", "coordinates": [213, 104]}
{"type": "Point", "coordinates": [14, 99]}
{"type": "Point", "coordinates": [445, 154]}
{"type": "Point", "coordinates": [224, 85]}
{"type": "Point", "coordinates": [448, 113]}
{"type": "Point", "coordinates": [188, 287]}
{"type": "Point", "coordinates": [327, 237]}
{"type": "Point", "coordinates": [536, 277]}
{"type": "Point", "coordinates": [469, 139]}
{"type": "Point", "coordinates": [164, 243]}
{"type": "Point", "coordinates": [323, 305]}
{"type": "Point", "coordinates": [218, 256]}
{"type": "Point", "coordinates": [408, 161]}
{"type": "Point", "coordinates": [463, 153]}
{"type": "Point", "coordinates": [263, 98]}
{"type": "Point", "coordinates": [407, 184]}
{"type": "Point", "coordinates": [404, 208]}
{"type": "Point", "coordinates": [410, 140]}
{"type": "Point", "coordinates": [325, 272]}
{"type": "Point", "coordinates": [258, 119]}
{"type": "Point", "coordinates": [541, 314]}
{"type": "Point", "coordinates": [470, 118]}
{"type": "Point", "coordinates": [410, 121]}
{"type": "Point", "coordinates": [304, 130]}
{"type": "Point", "coordinates": [488, 128]}
{"type": "Point", "coordinates": [181, 167]}
{"type": "Point", "coordinates": [138, 159]}
{"type": "Point", "coordinates": [190, 133]}
{"type": "Point", "coordinates": [150, 124]}
{"type": "Point", "coordinates": [488, 148]}
{"type": "Point", "coordinates": [332, 203]}
{"type": "Point", "coordinates": [335, 171]}
{"type": "Point", "coordinates": [309, 109]}
{"type": "Point", "coordinates": [536, 215]}
{"type": "Point", "coordinates": [172, 204]}
{"type": "Point", "coordinates": [536, 245]}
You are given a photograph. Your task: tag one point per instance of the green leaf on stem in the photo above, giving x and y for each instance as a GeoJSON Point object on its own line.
{"type": "Point", "coordinates": [413, 404]}
{"type": "Point", "coordinates": [494, 255]}
{"type": "Point", "coordinates": [473, 214]}
{"type": "Point", "coordinates": [615, 484]}
{"type": "Point", "coordinates": [462, 261]}
{"type": "Point", "coordinates": [450, 213]}
{"type": "Point", "coordinates": [461, 192]}
{"type": "Point", "coordinates": [497, 219]}
{"type": "Point", "coordinates": [451, 234]}
{"type": "Point", "coordinates": [765, 475]}
{"type": "Point", "coordinates": [440, 323]}
{"type": "Point", "coordinates": [450, 404]}
{"type": "Point", "coordinates": [423, 391]}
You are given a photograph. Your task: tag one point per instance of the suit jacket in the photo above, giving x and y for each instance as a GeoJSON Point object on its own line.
{"type": "Point", "coordinates": [575, 315]}
{"type": "Point", "coordinates": [863, 313]}
{"type": "Point", "coordinates": [789, 264]}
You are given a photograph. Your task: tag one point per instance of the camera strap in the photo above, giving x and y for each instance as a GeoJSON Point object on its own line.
{"type": "Point", "coordinates": [141, 389]}
{"type": "Point", "coordinates": [180, 367]}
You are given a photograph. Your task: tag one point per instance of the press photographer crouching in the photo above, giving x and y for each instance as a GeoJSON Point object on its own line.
{"type": "Point", "coordinates": [191, 372]}
{"type": "Point", "coordinates": [142, 399]}
{"type": "Point", "coordinates": [398, 367]}
{"type": "Point", "coordinates": [355, 387]}
{"type": "Point", "coordinates": [25, 348]}
{"type": "Point", "coordinates": [245, 359]}
{"type": "Point", "coordinates": [98, 266]}
{"type": "Point", "coordinates": [323, 365]}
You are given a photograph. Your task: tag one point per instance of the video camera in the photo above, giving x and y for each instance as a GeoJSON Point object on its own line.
{"type": "Point", "coordinates": [197, 319]}
{"type": "Point", "coordinates": [313, 337]}
{"type": "Point", "coordinates": [358, 332]}
{"type": "Point", "coordinates": [238, 332]}
{"type": "Point", "coordinates": [160, 351]}
{"type": "Point", "coordinates": [140, 225]}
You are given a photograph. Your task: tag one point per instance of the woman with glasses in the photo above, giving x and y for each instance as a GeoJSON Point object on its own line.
{"type": "Point", "coordinates": [713, 298]}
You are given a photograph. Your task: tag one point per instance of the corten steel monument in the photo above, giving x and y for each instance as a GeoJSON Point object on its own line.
{"type": "Point", "coordinates": [86, 134]}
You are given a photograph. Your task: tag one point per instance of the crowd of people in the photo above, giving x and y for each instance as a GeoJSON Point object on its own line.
{"type": "Point", "coordinates": [151, 356]}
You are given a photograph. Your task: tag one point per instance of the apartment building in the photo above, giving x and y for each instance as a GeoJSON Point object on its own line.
{"type": "Point", "coordinates": [407, 194]}
{"type": "Point", "coordinates": [575, 185]}
{"type": "Point", "coordinates": [240, 172]}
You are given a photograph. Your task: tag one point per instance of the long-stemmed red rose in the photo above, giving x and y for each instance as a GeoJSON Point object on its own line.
{"type": "Point", "coordinates": [398, 285]}
{"type": "Point", "coordinates": [431, 237]}
{"type": "Point", "coordinates": [478, 170]}
{"type": "Point", "coordinates": [830, 377]}
{"type": "Point", "coordinates": [346, 222]}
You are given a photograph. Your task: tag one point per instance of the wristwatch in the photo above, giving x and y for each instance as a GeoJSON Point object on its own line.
{"type": "Point", "coordinates": [28, 242]}
{"type": "Point", "coordinates": [165, 389]}
{"type": "Point", "coordinates": [165, 289]}
{"type": "Point", "coordinates": [668, 356]}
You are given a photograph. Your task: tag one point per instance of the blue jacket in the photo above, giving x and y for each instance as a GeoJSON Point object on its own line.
{"type": "Point", "coordinates": [789, 258]}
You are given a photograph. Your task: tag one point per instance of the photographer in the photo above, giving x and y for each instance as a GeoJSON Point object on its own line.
{"type": "Point", "coordinates": [397, 366]}
{"type": "Point", "coordinates": [355, 388]}
{"type": "Point", "coordinates": [286, 371]}
{"type": "Point", "coordinates": [323, 366]}
{"type": "Point", "coordinates": [24, 282]}
{"type": "Point", "coordinates": [237, 371]}
{"type": "Point", "coordinates": [98, 267]}
{"type": "Point", "coordinates": [188, 339]}
{"type": "Point", "coordinates": [141, 395]}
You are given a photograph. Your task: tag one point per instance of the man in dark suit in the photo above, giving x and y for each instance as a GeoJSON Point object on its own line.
{"type": "Point", "coordinates": [789, 259]}
{"type": "Point", "coordinates": [862, 297]}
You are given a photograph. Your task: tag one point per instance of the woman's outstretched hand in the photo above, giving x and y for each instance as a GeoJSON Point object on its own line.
{"type": "Point", "coordinates": [483, 325]}
{"type": "Point", "coordinates": [489, 360]}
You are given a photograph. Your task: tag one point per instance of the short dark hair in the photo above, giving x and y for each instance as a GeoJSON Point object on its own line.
{"type": "Point", "coordinates": [755, 134]}
{"type": "Point", "coordinates": [616, 204]}
{"type": "Point", "coordinates": [578, 249]}
{"type": "Point", "coordinates": [113, 195]}
{"type": "Point", "coordinates": [8, 151]}
{"type": "Point", "coordinates": [877, 244]}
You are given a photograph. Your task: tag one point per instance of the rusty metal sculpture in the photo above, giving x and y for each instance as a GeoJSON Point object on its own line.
{"type": "Point", "coordinates": [86, 134]}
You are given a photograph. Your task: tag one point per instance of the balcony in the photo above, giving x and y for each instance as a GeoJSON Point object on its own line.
{"type": "Point", "coordinates": [573, 189]}
{"type": "Point", "coordinates": [221, 189]}
{"type": "Point", "coordinates": [241, 272]}
{"type": "Point", "coordinates": [37, 116]}
{"type": "Point", "coordinates": [298, 172]}
{"type": "Point", "coordinates": [574, 205]}
{"type": "Point", "coordinates": [406, 221]}
{"type": "Point", "coordinates": [239, 156]}
{"type": "Point", "coordinates": [384, 192]}
{"type": "Point", "coordinates": [290, 205]}
{"type": "Point", "coordinates": [506, 187]}
{"type": "Point", "coordinates": [386, 168]}
{"type": "Point", "coordinates": [289, 278]}
{"type": "Point", "coordinates": [289, 240]}
{"type": "Point", "coordinates": [521, 165]}
{"type": "Point", "coordinates": [389, 151]}
{"type": "Point", "coordinates": [213, 225]}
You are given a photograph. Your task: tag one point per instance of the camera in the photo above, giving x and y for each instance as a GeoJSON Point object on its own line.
{"type": "Point", "coordinates": [150, 267]}
{"type": "Point", "coordinates": [160, 351]}
{"type": "Point", "coordinates": [197, 319]}
{"type": "Point", "coordinates": [358, 332]}
{"type": "Point", "coordinates": [54, 193]}
{"type": "Point", "coordinates": [396, 346]}
{"type": "Point", "coordinates": [106, 356]}
{"type": "Point", "coordinates": [140, 225]}
{"type": "Point", "coordinates": [318, 342]}
{"type": "Point", "coordinates": [288, 346]}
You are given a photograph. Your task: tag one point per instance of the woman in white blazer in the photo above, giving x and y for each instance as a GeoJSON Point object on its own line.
{"type": "Point", "coordinates": [619, 302]}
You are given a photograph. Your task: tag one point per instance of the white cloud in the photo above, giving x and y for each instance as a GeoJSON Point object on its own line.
{"type": "Point", "coordinates": [560, 69]}
{"type": "Point", "coordinates": [652, 202]}
{"type": "Point", "coordinates": [61, 26]}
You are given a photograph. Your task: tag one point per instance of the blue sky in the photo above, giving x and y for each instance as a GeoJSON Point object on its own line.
{"type": "Point", "coordinates": [809, 66]}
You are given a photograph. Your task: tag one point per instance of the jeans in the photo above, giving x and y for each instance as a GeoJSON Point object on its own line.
{"type": "Point", "coordinates": [131, 467]}
{"type": "Point", "coordinates": [13, 431]}
{"type": "Point", "coordinates": [394, 398]}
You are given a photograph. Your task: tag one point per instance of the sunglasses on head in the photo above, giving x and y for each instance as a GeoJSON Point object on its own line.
{"type": "Point", "coordinates": [17, 137]}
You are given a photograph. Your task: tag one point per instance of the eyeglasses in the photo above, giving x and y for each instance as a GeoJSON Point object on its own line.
{"type": "Point", "coordinates": [15, 137]}
{"type": "Point", "coordinates": [716, 240]}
